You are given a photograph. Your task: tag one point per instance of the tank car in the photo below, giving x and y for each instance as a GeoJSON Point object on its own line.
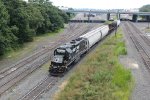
{"type": "Point", "coordinates": [118, 22]}
{"type": "Point", "coordinates": [96, 35]}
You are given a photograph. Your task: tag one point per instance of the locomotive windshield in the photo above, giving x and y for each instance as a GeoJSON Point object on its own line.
{"type": "Point", "coordinates": [59, 52]}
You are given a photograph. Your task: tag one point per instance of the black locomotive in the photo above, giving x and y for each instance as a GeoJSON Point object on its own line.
{"type": "Point", "coordinates": [66, 54]}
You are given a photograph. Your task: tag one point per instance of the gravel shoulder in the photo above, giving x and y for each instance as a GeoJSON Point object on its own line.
{"type": "Point", "coordinates": [139, 71]}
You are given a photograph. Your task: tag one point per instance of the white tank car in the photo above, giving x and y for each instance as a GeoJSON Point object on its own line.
{"type": "Point", "coordinates": [96, 35]}
{"type": "Point", "coordinates": [118, 22]}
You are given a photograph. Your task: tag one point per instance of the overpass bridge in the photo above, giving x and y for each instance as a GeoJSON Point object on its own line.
{"type": "Point", "coordinates": [118, 13]}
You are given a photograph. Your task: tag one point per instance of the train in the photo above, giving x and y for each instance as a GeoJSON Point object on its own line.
{"type": "Point", "coordinates": [67, 54]}
{"type": "Point", "coordinates": [89, 15]}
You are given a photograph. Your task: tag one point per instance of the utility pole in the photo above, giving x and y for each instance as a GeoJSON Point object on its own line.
{"type": "Point", "coordinates": [148, 21]}
{"type": "Point", "coordinates": [116, 31]}
{"type": "Point", "coordinates": [89, 16]}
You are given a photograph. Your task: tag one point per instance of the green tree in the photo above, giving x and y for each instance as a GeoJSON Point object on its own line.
{"type": "Point", "coordinates": [20, 19]}
{"type": "Point", "coordinates": [7, 38]}
{"type": "Point", "coordinates": [4, 17]}
{"type": "Point", "coordinates": [53, 21]}
{"type": "Point", "coordinates": [38, 1]}
{"type": "Point", "coordinates": [145, 8]}
{"type": "Point", "coordinates": [63, 15]}
{"type": "Point", "coordinates": [35, 17]}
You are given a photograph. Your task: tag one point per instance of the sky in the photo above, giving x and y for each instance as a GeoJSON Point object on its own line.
{"type": "Point", "coordinates": [101, 4]}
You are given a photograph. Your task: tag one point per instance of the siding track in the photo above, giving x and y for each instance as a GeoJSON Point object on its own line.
{"type": "Point", "coordinates": [140, 40]}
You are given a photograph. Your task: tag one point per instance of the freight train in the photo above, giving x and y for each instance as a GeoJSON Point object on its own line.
{"type": "Point", "coordinates": [70, 52]}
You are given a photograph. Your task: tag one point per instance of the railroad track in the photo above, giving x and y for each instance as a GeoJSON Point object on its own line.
{"type": "Point", "coordinates": [40, 88]}
{"type": "Point", "coordinates": [25, 67]}
{"type": "Point", "coordinates": [142, 35]}
{"type": "Point", "coordinates": [137, 42]}
{"type": "Point", "coordinates": [21, 63]}
{"type": "Point", "coordinates": [12, 79]}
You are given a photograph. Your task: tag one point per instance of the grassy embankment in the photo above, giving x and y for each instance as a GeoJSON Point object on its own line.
{"type": "Point", "coordinates": [147, 30]}
{"type": "Point", "coordinates": [28, 47]}
{"type": "Point", "coordinates": [101, 76]}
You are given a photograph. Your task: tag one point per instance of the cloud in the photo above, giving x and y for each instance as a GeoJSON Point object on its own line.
{"type": "Point", "coordinates": [101, 4]}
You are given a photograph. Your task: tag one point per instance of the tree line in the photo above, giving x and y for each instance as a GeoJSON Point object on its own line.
{"type": "Point", "coordinates": [21, 21]}
{"type": "Point", "coordinates": [145, 8]}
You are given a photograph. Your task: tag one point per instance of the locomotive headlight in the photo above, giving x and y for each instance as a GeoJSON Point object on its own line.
{"type": "Point", "coordinates": [56, 67]}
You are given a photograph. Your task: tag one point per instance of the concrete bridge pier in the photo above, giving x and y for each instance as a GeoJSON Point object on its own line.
{"type": "Point", "coordinates": [118, 16]}
{"type": "Point", "coordinates": [108, 16]}
{"type": "Point", "coordinates": [148, 18]}
{"type": "Point", "coordinates": [89, 16]}
{"type": "Point", "coordinates": [134, 18]}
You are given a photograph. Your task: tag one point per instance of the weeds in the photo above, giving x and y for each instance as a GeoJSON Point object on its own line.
{"type": "Point", "coordinates": [101, 76]}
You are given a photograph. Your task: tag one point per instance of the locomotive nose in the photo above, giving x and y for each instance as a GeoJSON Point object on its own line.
{"type": "Point", "coordinates": [57, 59]}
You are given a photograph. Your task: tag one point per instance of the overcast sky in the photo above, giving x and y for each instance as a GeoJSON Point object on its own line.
{"type": "Point", "coordinates": [101, 4]}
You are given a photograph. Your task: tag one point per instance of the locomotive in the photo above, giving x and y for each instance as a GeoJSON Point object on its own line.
{"type": "Point", "coordinates": [66, 54]}
{"type": "Point", "coordinates": [70, 52]}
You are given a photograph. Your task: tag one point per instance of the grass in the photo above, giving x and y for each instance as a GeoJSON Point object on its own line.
{"type": "Point", "coordinates": [147, 30]}
{"type": "Point", "coordinates": [46, 66]}
{"type": "Point", "coordinates": [108, 22]}
{"type": "Point", "coordinates": [52, 34]}
{"type": "Point", "coordinates": [101, 76]}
